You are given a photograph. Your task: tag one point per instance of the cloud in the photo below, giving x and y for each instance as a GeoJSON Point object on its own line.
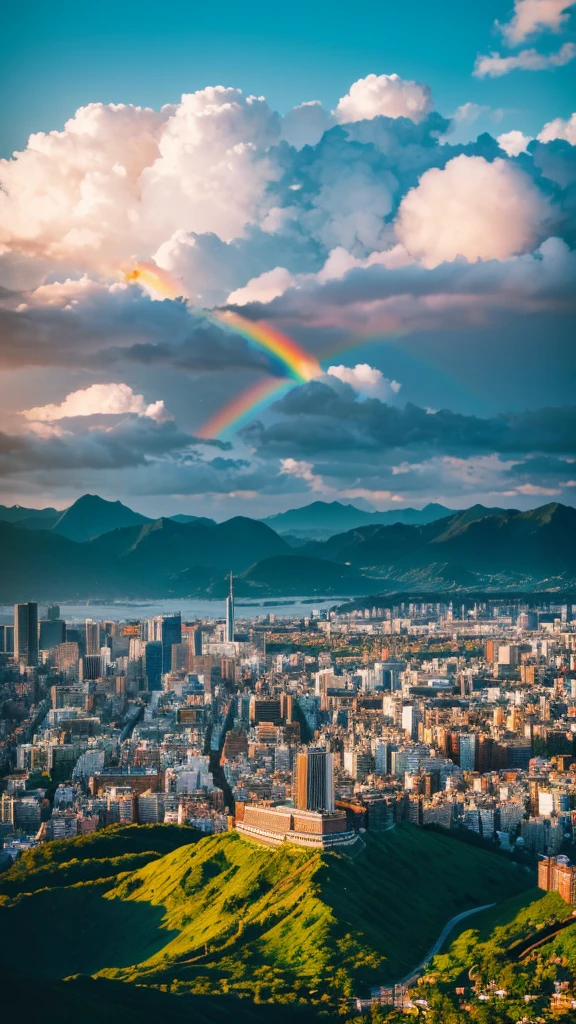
{"type": "Point", "coordinates": [263, 288]}
{"type": "Point", "coordinates": [99, 399]}
{"type": "Point", "coordinates": [532, 16]}
{"type": "Point", "coordinates": [366, 380]}
{"type": "Point", "coordinates": [377, 300]}
{"type": "Point", "coordinates": [559, 129]}
{"type": "Point", "coordinates": [387, 95]}
{"type": "Point", "coordinates": [305, 124]}
{"type": "Point", "coordinates": [467, 113]}
{"type": "Point", "coordinates": [316, 418]}
{"type": "Point", "coordinates": [471, 208]}
{"type": "Point", "coordinates": [135, 442]}
{"type": "Point", "coordinates": [119, 179]}
{"type": "Point", "coordinates": [513, 143]}
{"type": "Point", "coordinates": [494, 66]}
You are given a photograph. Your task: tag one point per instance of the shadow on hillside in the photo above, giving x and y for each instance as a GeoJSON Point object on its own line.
{"type": "Point", "coordinates": [78, 931]}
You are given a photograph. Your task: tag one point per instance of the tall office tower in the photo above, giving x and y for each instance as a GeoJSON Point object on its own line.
{"type": "Point", "coordinates": [26, 633]}
{"type": "Point", "coordinates": [197, 640]}
{"type": "Point", "coordinates": [171, 634]}
{"type": "Point", "coordinates": [314, 790]}
{"type": "Point", "coordinates": [92, 637]}
{"type": "Point", "coordinates": [467, 751]}
{"type": "Point", "coordinates": [153, 664]}
{"type": "Point", "coordinates": [229, 634]}
{"type": "Point", "coordinates": [153, 628]}
{"type": "Point", "coordinates": [53, 611]}
{"type": "Point", "coordinates": [7, 639]}
{"type": "Point", "coordinates": [52, 633]}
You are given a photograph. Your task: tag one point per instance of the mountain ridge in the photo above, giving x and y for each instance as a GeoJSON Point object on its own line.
{"type": "Point", "coordinates": [478, 548]}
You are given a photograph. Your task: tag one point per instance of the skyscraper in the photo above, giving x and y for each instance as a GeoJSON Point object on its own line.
{"type": "Point", "coordinates": [171, 634]}
{"type": "Point", "coordinates": [229, 634]}
{"type": "Point", "coordinates": [26, 633]}
{"type": "Point", "coordinates": [314, 790]}
{"type": "Point", "coordinates": [92, 638]}
{"type": "Point", "coordinates": [153, 664]}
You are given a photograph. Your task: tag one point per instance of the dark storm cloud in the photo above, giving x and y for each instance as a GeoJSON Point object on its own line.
{"type": "Point", "coordinates": [136, 441]}
{"type": "Point", "coordinates": [317, 418]}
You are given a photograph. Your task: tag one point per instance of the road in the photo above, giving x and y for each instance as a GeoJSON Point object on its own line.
{"type": "Point", "coordinates": [441, 940]}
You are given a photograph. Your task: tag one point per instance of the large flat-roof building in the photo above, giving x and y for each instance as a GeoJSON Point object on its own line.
{"type": "Point", "coordinates": [276, 825]}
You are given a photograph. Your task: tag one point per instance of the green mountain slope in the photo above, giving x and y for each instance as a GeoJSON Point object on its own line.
{"type": "Point", "coordinates": [225, 916]}
{"type": "Point", "coordinates": [91, 515]}
{"type": "Point", "coordinates": [484, 959]}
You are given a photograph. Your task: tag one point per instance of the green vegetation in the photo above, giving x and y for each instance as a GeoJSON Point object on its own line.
{"type": "Point", "coordinates": [224, 916]}
{"type": "Point", "coordinates": [102, 854]}
{"type": "Point", "coordinates": [462, 983]}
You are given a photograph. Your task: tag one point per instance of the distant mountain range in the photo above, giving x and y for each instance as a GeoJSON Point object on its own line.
{"type": "Point", "coordinates": [81, 556]}
{"type": "Point", "coordinates": [89, 517]}
{"type": "Point", "coordinates": [322, 519]}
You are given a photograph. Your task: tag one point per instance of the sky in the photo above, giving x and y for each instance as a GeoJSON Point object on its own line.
{"type": "Point", "coordinates": [248, 261]}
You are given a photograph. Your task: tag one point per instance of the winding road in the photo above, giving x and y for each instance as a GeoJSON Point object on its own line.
{"type": "Point", "coordinates": [441, 940]}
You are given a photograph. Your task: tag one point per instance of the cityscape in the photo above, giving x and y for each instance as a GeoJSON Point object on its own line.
{"type": "Point", "coordinates": [453, 716]}
{"type": "Point", "coordinates": [288, 513]}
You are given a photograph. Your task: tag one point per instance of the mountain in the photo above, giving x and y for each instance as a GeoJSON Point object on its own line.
{"type": "Point", "coordinates": [40, 565]}
{"type": "Point", "coordinates": [182, 518]}
{"type": "Point", "coordinates": [224, 915]}
{"type": "Point", "coordinates": [479, 548]}
{"type": "Point", "coordinates": [538, 543]}
{"type": "Point", "coordinates": [322, 519]}
{"type": "Point", "coordinates": [29, 518]}
{"type": "Point", "coordinates": [91, 516]}
{"type": "Point", "coordinates": [296, 574]}
{"type": "Point", "coordinates": [163, 548]}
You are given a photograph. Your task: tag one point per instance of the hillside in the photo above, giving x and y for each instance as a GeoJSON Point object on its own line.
{"type": "Point", "coordinates": [321, 519]}
{"type": "Point", "coordinates": [91, 515]}
{"type": "Point", "coordinates": [487, 957]}
{"type": "Point", "coordinates": [223, 915]}
{"type": "Point", "coordinates": [537, 543]}
{"type": "Point", "coordinates": [477, 549]}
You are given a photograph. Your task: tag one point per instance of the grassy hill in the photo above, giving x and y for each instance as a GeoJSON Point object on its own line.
{"type": "Point", "coordinates": [483, 959]}
{"type": "Point", "coordinates": [223, 916]}
{"type": "Point", "coordinates": [103, 854]}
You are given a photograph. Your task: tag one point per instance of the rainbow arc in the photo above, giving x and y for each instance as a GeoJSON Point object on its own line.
{"type": "Point", "coordinates": [299, 365]}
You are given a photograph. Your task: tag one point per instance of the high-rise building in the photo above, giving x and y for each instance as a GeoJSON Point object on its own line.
{"type": "Point", "coordinates": [153, 664]}
{"type": "Point", "coordinates": [171, 634]}
{"type": "Point", "coordinates": [92, 637]}
{"type": "Point", "coordinates": [52, 633]}
{"type": "Point", "coordinates": [314, 790]}
{"type": "Point", "coordinates": [26, 633]}
{"type": "Point", "coordinates": [229, 632]}
{"type": "Point", "coordinates": [467, 751]}
{"type": "Point", "coordinates": [6, 639]}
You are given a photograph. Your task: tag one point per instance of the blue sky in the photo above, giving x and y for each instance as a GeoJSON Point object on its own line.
{"type": "Point", "coordinates": [56, 57]}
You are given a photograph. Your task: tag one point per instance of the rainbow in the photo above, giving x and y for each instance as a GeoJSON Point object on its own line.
{"type": "Point", "coordinates": [155, 280]}
{"type": "Point", "coordinates": [299, 365]}
{"type": "Point", "coordinates": [247, 403]}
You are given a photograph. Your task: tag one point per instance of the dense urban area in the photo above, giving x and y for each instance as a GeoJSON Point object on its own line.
{"type": "Point", "coordinates": [457, 716]}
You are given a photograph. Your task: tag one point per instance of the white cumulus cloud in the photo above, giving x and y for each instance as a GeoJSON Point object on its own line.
{"type": "Point", "coordinates": [99, 399]}
{"type": "Point", "coordinates": [472, 208]}
{"type": "Point", "coordinates": [559, 129]}
{"type": "Point", "coordinates": [494, 65]}
{"type": "Point", "coordinates": [387, 95]}
{"type": "Point", "coordinates": [263, 288]}
{"type": "Point", "coordinates": [513, 143]}
{"type": "Point", "coordinates": [119, 180]}
{"type": "Point", "coordinates": [366, 380]}
{"type": "Point", "coordinates": [531, 16]}
{"type": "Point", "coordinates": [305, 124]}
